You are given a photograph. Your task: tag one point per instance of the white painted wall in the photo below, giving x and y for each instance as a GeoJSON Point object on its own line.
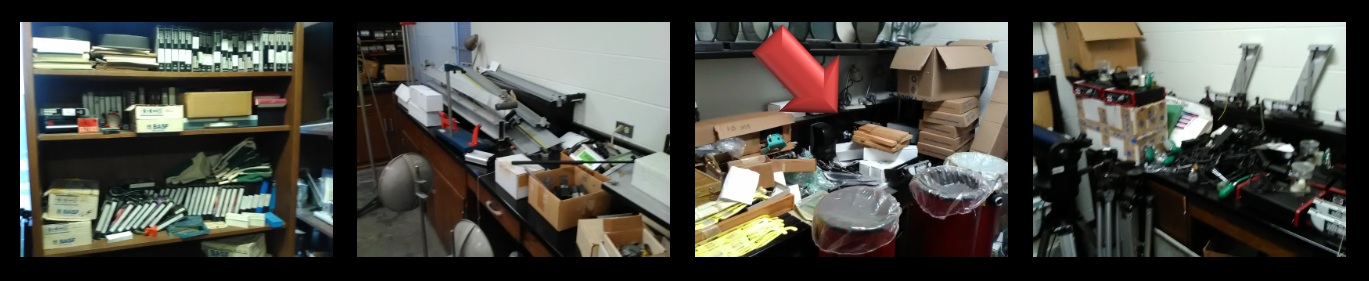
{"type": "Point", "coordinates": [724, 87]}
{"type": "Point", "coordinates": [623, 68]}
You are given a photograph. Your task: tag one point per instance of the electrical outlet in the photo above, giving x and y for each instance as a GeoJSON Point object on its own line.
{"type": "Point", "coordinates": [623, 129]}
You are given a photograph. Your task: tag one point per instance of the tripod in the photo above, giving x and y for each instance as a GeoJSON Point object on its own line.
{"type": "Point", "coordinates": [1122, 206]}
{"type": "Point", "coordinates": [1059, 186]}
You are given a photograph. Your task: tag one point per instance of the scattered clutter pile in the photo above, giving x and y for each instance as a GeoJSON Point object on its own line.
{"type": "Point", "coordinates": [62, 47]}
{"type": "Point", "coordinates": [123, 52]}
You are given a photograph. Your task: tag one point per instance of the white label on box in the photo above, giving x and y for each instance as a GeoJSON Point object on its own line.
{"type": "Point", "coordinates": [160, 125]}
{"type": "Point", "coordinates": [66, 235]}
{"type": "Point", "coordinates": [158, 112]}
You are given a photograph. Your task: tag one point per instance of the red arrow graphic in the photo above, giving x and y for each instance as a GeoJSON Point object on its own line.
{"type": "Point", "coordinates": [813, 87]}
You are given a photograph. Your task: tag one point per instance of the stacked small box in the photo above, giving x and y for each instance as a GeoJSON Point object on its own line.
{"type": "Point", "coordinates": [946, 126]}
{"type": "Point", "coordinates": [1126, 129]}
{"type": "Point", "coordinates": [993, 126]}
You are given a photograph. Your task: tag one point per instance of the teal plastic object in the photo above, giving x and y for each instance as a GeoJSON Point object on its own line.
{"type": "Point", "coordinates": [773, 142]}
{"type": "Point", "coordinates": [189, 227]}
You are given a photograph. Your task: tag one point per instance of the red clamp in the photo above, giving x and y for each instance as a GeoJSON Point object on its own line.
{"type": "Point", "coordinates": [150, 232]}
{"type": "Point", "coordinates": [475, 135]}
{"type": "Point", "coordinates": [443, 115]}
{"type": "Point", "coordinates": [406, 23]}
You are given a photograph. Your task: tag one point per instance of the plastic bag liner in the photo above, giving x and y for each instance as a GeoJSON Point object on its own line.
{"type": "Point", "coordinates": [733, 146]}
{"type": "Point", "coordinates": [991, 166]}
{"type": "Point", "coordinates": [856, 221]}
{"type": "Point", "coordinates": [945, 191]}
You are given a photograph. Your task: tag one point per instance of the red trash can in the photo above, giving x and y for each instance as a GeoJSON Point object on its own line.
{"type": "Point", "coordinates": [954, 221]}
{"type": "Point", "coordinates": [859, 221]}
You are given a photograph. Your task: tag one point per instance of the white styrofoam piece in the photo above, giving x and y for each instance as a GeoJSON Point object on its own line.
{"type": "Point", "coordinates": [875, 169]}
{"type": "Point", "coordinates": [849, 151]}
{"type": "Point", "coordinates": [876, 155]}
{"type": "Point", "coordinates": [427, 119]}
{"type": "Point", "coordinates": [651, 176]}
{"type": "Point", "coordinates": [740, 185]}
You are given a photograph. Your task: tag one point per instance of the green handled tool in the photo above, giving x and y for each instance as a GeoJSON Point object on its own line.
{"type": "Point", "coordinates": [1226, 189]}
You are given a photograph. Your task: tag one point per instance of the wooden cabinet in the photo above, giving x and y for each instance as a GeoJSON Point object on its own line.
{"type": "Point", "coordinates": [447, 204]}
{"type": "Point", "coordinates": [1171, 212]}
{"type": "Point", "coordinates": [381, 127]}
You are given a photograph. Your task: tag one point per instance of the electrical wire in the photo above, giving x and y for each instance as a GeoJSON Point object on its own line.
{"type": "Point", "coordinates": [1224, 106]}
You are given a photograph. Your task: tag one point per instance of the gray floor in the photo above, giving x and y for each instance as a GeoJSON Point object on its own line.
{"type": "Point", "coordinates": [384, 233]}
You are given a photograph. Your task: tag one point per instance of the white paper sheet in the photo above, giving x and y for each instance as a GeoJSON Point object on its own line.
{"type": "Point", "coordinates": [740, 185]}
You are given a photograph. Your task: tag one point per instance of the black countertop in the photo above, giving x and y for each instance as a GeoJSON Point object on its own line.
{"type": "Point", "coordinates": [559, 243]}
{"type": "Point", "coordinates": [789, 220]}
{"type": "Point", "coordinates": [1303, 241]}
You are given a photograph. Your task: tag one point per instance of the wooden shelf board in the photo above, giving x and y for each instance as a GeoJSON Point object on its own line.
{"type": "Point", "coordinates": [101, 246]}
{"type": "Point", "coordinates": [128, 134]}
{"type": "Point", "coordinates": [128, 74]}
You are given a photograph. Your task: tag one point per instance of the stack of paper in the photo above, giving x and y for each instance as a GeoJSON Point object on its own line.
{"type": "Point", "coordinates": [123, 58]}
{"type": "Point", "coordinates": [54, 53]}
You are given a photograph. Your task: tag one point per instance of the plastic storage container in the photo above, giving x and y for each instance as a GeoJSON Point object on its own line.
{"type": "Point", "coordinates": [858, 221]}
{"type": "Point", "coordinates": [957, 217]}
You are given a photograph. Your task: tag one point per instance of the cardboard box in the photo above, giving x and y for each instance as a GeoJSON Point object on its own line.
{"type": "Point", "coordinates": [612, 233]}
{"type": "Point", "coordinates": [66, 235]}
{"type": "Point", "coordinates": [945, 130]}
{"type": "Point", "coordinates": [369, 69]}
{"type": "Point", "coordinates": [992, 139]}
{"type": "Point", "coordinates": [422, 97]}
{"type": "Point", "coordinates": [245, 246]}
{"type": "Point", "coordinates": [73, 200]}
{"type": "Point", "coordinates": [142, 111]}
{"type": "Point", "coordinates": [706, 188]}
{"type": "Point", "coordinates": [158, 125]}
{"type": "Point", "coordinates": [1087, 42]}
{"type": "Point", "coordinates": [564, 214]}
{"type": "Point", "coordinates": [1042, 109]}
{"type": "Point", "coordinates": [396, 72]}
{"type": "Point", "coordinates": [960, 105]}
{"type": "Point", "coordinates": [650, 175]}
{"type": "Point", "coordinates": [1000, 89]}
{"type": "Point", "coordinates": [514, 178]}
{"type": "Point", "coordinates": [775, 206]}
{"type": "Point", "coordinates": [747, 127]}
{"type": "Point", "coordinates": [951, 119]}
{"type": "Point", "coordinates": [885, 170]}
{"type": "Point", "coordinates": [948, 141]}
{"type": "Point", "coordinates": [996, 113]}
{"type": "Point", "coordinates": [938, 151]}
{"type": "Point", "coordinates": [938, 73]}
{"type": "Point", "coordinates": [1130, 120]}
{"type": "Point", "coordinates": [217, 104]}
{"type": "Point", "coordinates": [1129, 147]}
{"type": "Point", "coordinates": [794, 165]}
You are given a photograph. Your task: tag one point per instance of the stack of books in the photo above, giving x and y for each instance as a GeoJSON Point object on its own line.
{"type": "Point", "coordinates": [58, 53]}
{"type": "Point", "coordinates": [123, 58]}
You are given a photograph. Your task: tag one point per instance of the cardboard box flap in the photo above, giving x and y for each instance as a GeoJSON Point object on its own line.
{"type": "Point", "coordinates": [959, 57]}
{"type": "Point", "coordinates": [1094, 31]}
{"type": "Point", "coordinates": [712, 130]}
{"type": "Point", "coordinates": [911, 57]}
{"type": "Point", "coordinates": [981, 43]}
{"type": "Point", "coordinates": [1000, 89]}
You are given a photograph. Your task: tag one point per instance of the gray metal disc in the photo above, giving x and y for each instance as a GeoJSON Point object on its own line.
{"type": "Point", "coordinates": [396, 182]}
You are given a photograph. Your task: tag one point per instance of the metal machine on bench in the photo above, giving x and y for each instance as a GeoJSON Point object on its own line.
{"type": "Point", "coordinates": [520, 116]}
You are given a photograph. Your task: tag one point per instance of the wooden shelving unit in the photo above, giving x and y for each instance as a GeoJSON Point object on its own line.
{"type": "Point", "coordinates": [102, 246]}
{"type": "Point", "coordinates": [127, 156]}
{"type": "Point", "coordinates": [128, 134]}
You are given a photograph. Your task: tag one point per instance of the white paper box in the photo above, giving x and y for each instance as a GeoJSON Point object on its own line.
{"type": "Point", "coordinates": [66, 235]}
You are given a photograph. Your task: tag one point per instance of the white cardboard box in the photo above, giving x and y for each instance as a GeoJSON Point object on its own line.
{"type": "Point", "coordinates": [66, 235]}
{"type": "Point", "coordinates": [158, 125]}
{"type": "Point", "coordinates": [73, 200]}
{"type": "Point", "coordinates": [514, 179]}
{"type": "Point", "coordinates": [422, 97]}
{"type": "Point", "coordinates": [650, 176]}
{"type": "Point", "coordinates": [425, 118]}
{"type": "Point", "coordinates": [158, 111]}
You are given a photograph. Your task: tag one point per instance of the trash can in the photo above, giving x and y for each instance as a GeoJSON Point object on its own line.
{"type": "Point", "coordinates": [951, 220]}
{"type": "Point", "coordinates": [858, 221]}
{"type": "Point", "coordinates": [994, 209]}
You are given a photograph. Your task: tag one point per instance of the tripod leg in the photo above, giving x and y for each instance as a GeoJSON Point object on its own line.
{"type": "Point", "coordinates": [1150, 224]}
{"type": "Point", "coordinates": [1100, 223]}
{"type": "Point", "coordinates": [375, 203]}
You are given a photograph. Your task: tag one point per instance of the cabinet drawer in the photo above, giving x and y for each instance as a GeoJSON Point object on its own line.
{"type": "Point", "coordinates": [445, 207]}
{"type": "Point", "coordinates": [534, 246]}
{"type": "Point", "coordinates": [501, 214]}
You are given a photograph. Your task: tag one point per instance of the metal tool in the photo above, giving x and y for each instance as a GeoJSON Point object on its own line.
{"type": "Point", "coordinates": [1250, 54]}
{"type": "Point", "coordinates": [1299, 106]}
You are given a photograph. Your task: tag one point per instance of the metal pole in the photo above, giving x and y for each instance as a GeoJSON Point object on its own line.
{"type": "Point", "coordinates": [423, 222]}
